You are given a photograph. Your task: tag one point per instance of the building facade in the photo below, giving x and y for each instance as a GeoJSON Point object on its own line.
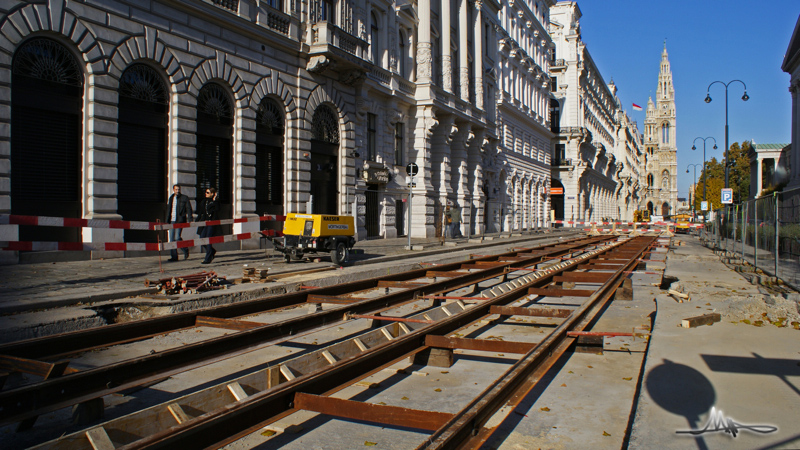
{"type": "Point", "coordinates": [791, 65]}
{"type": "Point", "coordinates": [660, 143]}
{"type": "Point", "coordinates": [597, 157]}
{"type": "Point", "coordinates": [306, 106]}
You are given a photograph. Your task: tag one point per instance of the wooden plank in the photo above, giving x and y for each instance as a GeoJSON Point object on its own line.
{"type": "Point", "coordinates": [273, 377]}
{"type": "Point", "coordinates": [446, 274]}
{"type": "Point", "coordinates": [370, 412]}
{"type": "Point", "coordinates": [329, 357]}
{"type": "Point", "coordinates": [584, 277]}
{"type": "Point", "coordinates": [478, 344]}
{"type": "Point", "coordinates": [554, 292]}
{"type": "Point", "coordinates": [706, 319]}
{"type": "Point", "coordinates": [402, 284]}
{"type": "Point", "coordinates": [178, 413]}
{"type": "Point", "coordinates": [99, 440]}
{"type": "Point", "coordinates": [316, 298]}
{"type": "Point", "coordinates": [43, 369]}
{"type": "Point", "coordinates": [228, 324]}
{"type": "Point", "coordinates": [532, 312]}
{"type": "Point", "coordinates": [237, 390]}
{"type": "Point", "coordinates": [287, 372]}
{"type": "Point", "coordinates": [361, 346]}
{"type": "Point", "coordinates": [388, 318]}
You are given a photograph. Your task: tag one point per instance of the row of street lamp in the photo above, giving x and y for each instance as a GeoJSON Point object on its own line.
{"type": "Point", "coordinates": [745, 97]}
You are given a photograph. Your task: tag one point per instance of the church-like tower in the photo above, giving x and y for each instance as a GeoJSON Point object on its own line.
{"type": "Point", "coordinates": [660, 141]}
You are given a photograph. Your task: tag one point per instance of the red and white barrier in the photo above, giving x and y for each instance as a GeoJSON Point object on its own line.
{"type": "Point", "coordinates": [12, 219]}
{"type": "Point", "coordinates": [133, 246]}
{"type": "Point", "coordinates": [578, 222]}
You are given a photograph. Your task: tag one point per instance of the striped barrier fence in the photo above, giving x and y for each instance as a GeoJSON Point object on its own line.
{"type": "Point", "coordinates": [133, 246]}
{"type": "Point", "coordinates": [12, 219]}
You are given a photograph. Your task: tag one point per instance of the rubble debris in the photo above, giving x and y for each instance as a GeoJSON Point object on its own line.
{"type": "Point", "coordinates": [188, 284]}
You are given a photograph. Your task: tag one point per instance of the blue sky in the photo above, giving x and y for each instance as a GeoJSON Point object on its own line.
{"type": "Point", "coordinates": [707, 40]}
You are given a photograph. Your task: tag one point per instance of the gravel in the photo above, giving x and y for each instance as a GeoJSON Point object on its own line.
{"type": "Point", "coordinates": [762, 310]}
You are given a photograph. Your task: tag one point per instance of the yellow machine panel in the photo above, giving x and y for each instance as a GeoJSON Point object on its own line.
{"type": "Point", "coordinates": [318, 225]}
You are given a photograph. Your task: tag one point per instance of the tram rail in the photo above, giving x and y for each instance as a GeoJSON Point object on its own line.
{"type": "Point", "coordinates": [282, 390]}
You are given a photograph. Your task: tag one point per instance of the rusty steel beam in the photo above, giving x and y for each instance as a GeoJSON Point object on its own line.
{"type": "Point", "coordinates": [228, 324]}
{"type": "Point", "coordinates": [440, 273]}
{"type": "Point", "coordinates": [596, 333]}
{"type": "Point", "coordinates": [370, 412]}
{"type": "Point", "coordinates": [483, 345]}
{"type": "Point", "coordinates": [584, 277]}
{"type": "Point", "coordinates": [560, 313]}
{"type": "Point", "coordinates": [556, 292]}
{"type": "Point", "coordinates": [339, 300]}
{"type": "Point", "coordinates": [389, 318]}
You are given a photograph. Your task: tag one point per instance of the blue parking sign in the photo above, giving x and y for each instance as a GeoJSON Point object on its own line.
{"type": "Point", "coordinates": [727, 196]}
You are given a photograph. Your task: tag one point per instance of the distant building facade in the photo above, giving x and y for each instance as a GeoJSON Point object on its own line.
{"type": "Point", "coordinates": [769, 166]}
{"type": "Point", "coordinates": [660, 143]}
{"type": "Point", "coordinates": [598, 157]}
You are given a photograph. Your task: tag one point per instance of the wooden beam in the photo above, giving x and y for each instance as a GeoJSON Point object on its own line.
{"type": "Point", "coordinates": [228, 324]}
{"type": "Point", "coordinates": [43, 369]}
{"type": "Point", "coordinates": [389, 318]}
{"type": "Point", "coordinates": [178, 413]}
{"type": "Point", "coordinates": [484, 345]}
{"type": "Point", "coordinates": [447, 274]}
{"type": "Point", "coordinates": [706, 319]}
{"type": "Point", "coordinates": [553, 292]}
{"type": "Point", "coordinates": [316, 298]}
{"type": "Point", "coordinates": [532, 312]}
{"type": "Point", "coordinates": [99, 440]}
{"type": "Point", "coordinates": [370, 412]}
{"type": "Point", "coordinates": [403, 284]}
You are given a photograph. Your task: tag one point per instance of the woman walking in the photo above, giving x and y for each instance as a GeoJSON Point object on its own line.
{"type": "Point", "coordinates": [209, 210]}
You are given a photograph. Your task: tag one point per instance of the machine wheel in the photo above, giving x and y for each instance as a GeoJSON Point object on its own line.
{"type": "Point", "coordinates": [339, 254]}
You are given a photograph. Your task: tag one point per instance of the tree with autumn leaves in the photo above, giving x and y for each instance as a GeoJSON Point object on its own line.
{"type": "Point", "coordinates": [738, 178]}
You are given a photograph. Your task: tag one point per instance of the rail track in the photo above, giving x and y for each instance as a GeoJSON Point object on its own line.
{"type": "Point", "coordinates": [456, 296]}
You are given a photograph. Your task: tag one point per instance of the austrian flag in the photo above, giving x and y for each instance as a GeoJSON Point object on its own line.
{"type": "Point", "coordinates": [636, 107]}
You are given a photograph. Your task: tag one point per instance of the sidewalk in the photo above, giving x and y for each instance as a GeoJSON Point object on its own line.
{"type": "Point", "coordinates": [750, 374]}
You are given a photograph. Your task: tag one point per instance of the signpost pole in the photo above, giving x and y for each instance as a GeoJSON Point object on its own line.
{"type": "Point", "coordinates": [410, 196]}
{"type": "Point", "coordinates": [412, 170]}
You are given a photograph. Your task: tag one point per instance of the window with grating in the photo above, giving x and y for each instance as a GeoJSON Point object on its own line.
{"type": "Point", "coordinates": [325, 125]}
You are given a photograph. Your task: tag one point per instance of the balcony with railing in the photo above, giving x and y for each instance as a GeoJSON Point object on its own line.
{"type": "Point", "coordinates": [558, 64]}
{"type": "Point", "coordinates": [559, 162]}
{"type": "Point", "coordinates": [327, 35]}
{"type": "Point", "coordinates": [262, 14]}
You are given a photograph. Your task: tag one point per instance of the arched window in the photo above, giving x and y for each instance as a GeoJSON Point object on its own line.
{"type": "Point", "coordinates": [665, 184]}
{"type": "Point", "coordinates": [325, 125]}
{"type": "Point", "coordinates": [46, 137]}
{"type": "Point", "coordinates": [142, 148]}
{"type": "Point", "coordinates": [374, 40]}
{"type": "Point", "coordinates": [325, 183]}
{"type": "Point", "coordinates": [649, 180]}
{"type": "Point", "coordinates": [665, 133]}
{"type": "Point", "coordinates": [214, 148]}
{"type": "Point", "coordinates": [269, 157]}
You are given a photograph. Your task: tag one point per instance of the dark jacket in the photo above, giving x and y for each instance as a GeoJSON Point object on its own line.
{"type": "Point", "coordinates": [184, 214]}
{"type": "Point", "coordinates": [208, 210]}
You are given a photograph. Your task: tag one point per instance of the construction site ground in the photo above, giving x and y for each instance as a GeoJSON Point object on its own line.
{"type": "Point", "coordinates": [645, 395]}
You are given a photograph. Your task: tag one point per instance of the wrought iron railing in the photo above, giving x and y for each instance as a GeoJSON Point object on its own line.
{"type": "Point", "coordinates": [233, 5]}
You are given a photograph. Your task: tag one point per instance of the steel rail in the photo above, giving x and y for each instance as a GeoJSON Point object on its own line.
{"type": "Point", "coordinates": [467, 422]}
{"type": "Point", "coordinates": [249, 413]}
{"type": "Point", "coordinates": [83, 340]}
{"type": "Point", "coordinates": [32, 400]}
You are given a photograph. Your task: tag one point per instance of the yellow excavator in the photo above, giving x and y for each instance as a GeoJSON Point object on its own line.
{"type": "Point", "coordinates": [641, 215]}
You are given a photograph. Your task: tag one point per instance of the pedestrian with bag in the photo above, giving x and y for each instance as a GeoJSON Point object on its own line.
{"type": "Point", "coordinates": [179, 210]}
{"type": "Point", "coordinates": [208, 210]}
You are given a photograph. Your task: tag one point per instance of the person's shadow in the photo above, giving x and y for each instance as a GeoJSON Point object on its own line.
{"type": "Point", "coordinates": [683, 391]}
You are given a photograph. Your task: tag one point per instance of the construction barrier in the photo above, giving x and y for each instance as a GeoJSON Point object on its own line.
{"type": "Point", "coordinates": [10, 219]}
{"type": "Point", "coordinates": [578, 222]}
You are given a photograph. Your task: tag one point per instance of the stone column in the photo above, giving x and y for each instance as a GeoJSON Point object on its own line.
{"type": "Point", "coordinates": [475, 180]}
{"type": "Point", "coordinates": [463, 54]}
{"type": "Point", "coordinates": [100, 164]}
{"type": "Point", "coordinates": [478, 40]}
{"type": "Point", "coordinates": [424, 56]}
{"type": "Point", "coordinates": [447, 57]}
{"type": "Point", "coordinates": [425, 122]}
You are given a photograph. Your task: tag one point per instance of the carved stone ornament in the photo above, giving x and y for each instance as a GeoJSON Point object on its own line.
{"type": "Point", "coordinates": [352, 77]}
{"type": "Point", "coordinates": [424, 59]}
{"type": "Point", "coordinates": [317, 64]}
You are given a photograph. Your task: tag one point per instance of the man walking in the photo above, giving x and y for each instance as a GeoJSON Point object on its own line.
{"type": "Point", "coordinates": [179, 210]}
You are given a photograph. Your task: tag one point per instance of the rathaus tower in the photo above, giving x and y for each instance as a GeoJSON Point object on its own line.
{"type": "Point", "coordinates": [660, 141]}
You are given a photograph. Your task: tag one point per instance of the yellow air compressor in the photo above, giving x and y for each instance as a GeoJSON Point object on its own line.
{"type": "Point", "coordinates": [316, 233]}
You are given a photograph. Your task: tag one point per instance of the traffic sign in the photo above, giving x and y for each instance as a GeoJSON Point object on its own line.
{"type": "Point", "coordinates": [704, 206]}
{"type": "Point", "coordinates": [412, 169]}
{"type": "Point", "coordinates": [727, 196]}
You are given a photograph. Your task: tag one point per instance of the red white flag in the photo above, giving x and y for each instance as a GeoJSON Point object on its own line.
{"type": "Point", "coordinates": [636, 107]}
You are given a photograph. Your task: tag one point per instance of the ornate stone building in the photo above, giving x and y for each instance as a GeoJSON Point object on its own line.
{"type": "Point", "coordinates": [791, 65]}
{"type": "Point", "coordinates": [301, 106]}
{"type": "Point", "coordinates": [597, 155]}
{"type": "Point", "coordinates": [660, 142]}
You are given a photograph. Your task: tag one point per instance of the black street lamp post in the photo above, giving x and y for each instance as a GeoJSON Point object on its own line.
{"type": "Point", "coordinates": [745, 97]}
{"type": "Point", "coordinates": [694, 169]}
{"type": "Point", "coordinates": [704, 162]}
